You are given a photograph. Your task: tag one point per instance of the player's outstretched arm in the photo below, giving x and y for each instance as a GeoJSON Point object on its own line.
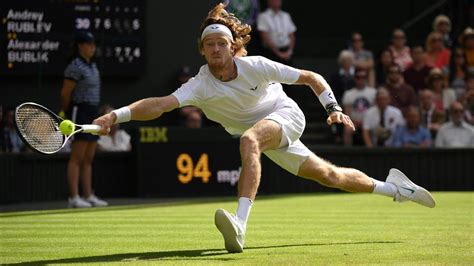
{"type": "Point", "coordinates": [322, 89]}
{"type": "Point", "coordinates": [142, 110]}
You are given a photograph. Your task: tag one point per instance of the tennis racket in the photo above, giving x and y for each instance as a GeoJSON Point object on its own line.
{"type": "Point", "coordinates": [38, 127]}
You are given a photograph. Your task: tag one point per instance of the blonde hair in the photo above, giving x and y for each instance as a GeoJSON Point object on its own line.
{"type": "Point", "coordinates": [240, 31]}
{"type": "Point", "coordinates": [439, 19]}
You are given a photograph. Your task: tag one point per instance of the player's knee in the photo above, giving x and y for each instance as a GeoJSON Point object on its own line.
{"type": "Point", "coordinates": [248, 143]}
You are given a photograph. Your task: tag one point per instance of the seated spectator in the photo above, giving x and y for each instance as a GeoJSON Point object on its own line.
{"type": "Point", "coordinates": [443, 97]}
{"type": "Point", "coordinates": [277, 32]}
{"type": "Point", "coordinates": [117, 140]}
{"type": "Point", "coordinates": [362, 58]}
{"type": "Point", "coordinates": [343, 79]}
{"type": "Point", "coordinates": [468, 99]}
{"type": "Point", "coordinates": [457, 71]}
{"type": "Point", "coordinates": [442, 24]}
{"type": "Point", "coordinates": [412, 134]}
{"type": "Point", "coordinates": [466, 39]}
{"type": "Point", "coordinates": [400, 52]}
{"type": "Point", "coordinates": [11, 139]}
{"type": "Point", "coordinates": [356, 101]}
{"type": "Point", "coordinates": [381, 120]}
{"type": "Point", "coordinates": [437, 54]}
{"type": "Point", "coordinates": [456, 133]}
{"type": "Point", "coordinates": [193, 120]}
{"type": "Point", "coordinates": [415, 75]}
{"type": "Point", "coordinates": [385, 60]}
{"type": "Point", "coordinates": [402, 94]}
{"type": "Point", "coordinates": [431, 118]}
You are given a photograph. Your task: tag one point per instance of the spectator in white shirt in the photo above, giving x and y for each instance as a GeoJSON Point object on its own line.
{"type": "Point", "coordinates": [117, 140]}
{"type": "Point", "coordinates": [381, 121]}
{"type": "Point", "coordinates": [277, 32]}
{"type": "Point", "coordinates": [455, 133]}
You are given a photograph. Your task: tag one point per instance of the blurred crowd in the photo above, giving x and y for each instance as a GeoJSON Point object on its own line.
{"type": "Point", "coordinates": [409, 96]}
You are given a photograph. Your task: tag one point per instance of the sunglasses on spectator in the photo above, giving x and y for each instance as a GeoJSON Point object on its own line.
{"type": "Point", "coordinates": [436, 40]}
{"type": "Point", "coordinates": [392, 71]}
{"type": "Point", "coordinates": [399, 37]}
{"type": "Point", "coordinates": [360, 76]}
{"type": "Point", "coordinates": [457, 111]}
{"type": "Point", "coordinates": [356, 40]}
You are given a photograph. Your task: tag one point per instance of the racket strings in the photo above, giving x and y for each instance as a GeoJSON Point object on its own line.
{"type": "Point", "coordinates": [39, 129]}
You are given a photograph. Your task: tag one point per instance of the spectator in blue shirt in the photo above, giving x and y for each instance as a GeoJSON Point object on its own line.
{"type": "Point", "coordinates": [412, 134]}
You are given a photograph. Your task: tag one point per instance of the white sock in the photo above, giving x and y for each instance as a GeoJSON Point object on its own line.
{"type": "Point", "coordinates": [243, 209]}
{"type": "Point", "coordinates": [384, 188]}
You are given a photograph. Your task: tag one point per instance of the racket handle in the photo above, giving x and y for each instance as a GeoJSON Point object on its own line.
{"type": "Point", "coordinates": [91, 128]}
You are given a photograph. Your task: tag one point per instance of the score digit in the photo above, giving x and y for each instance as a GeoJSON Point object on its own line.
{"type": "Point", "coordinates": [184, 163]}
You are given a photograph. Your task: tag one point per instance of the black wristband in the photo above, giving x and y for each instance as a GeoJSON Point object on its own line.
{"type": "Point", "coordinates": [333, 107]}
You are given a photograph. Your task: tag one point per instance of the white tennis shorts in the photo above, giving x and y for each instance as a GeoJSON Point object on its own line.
{"type": "Point", "coordinates": [291, 153]}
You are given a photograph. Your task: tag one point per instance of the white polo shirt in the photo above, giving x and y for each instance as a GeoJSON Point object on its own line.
{"type": "Point", "coordinates": [278, 26]}
{"type": "Point", "coordinates": [240, 103]}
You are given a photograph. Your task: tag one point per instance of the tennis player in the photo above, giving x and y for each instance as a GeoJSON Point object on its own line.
{"type": "Point", "coordinates": [244, 94]}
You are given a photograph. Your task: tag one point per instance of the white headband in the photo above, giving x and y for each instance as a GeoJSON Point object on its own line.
{"type": "Point", "coordinates": [216, 28]}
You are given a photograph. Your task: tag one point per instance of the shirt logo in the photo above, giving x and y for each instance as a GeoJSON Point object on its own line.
{"type": "Point", "coordinates": [254, 89]}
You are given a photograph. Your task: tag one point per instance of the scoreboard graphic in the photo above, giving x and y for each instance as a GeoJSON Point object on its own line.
{"type": "Point", "coordinates": [36, 36]}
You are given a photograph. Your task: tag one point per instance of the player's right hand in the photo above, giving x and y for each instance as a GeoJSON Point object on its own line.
{"type": "Point", "coordinates": [106, 121]}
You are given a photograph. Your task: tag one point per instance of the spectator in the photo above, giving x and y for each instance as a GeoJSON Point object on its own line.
{"type": "Point", "coordinates": [356, 101]}
{"type": "Point", "coordinates": [443, 97]}
{"type": "Point", "coordinates": [402, 95]}
{"type": "Point", "coordinates": [11, 139]}
{"type": "Point", "coordinates": [455, 133]}
{"type": "Point", "coordinates": [277, 32]}
{"type": "Point", "coordinates": [362, 58]}
{"type": "Point", "coordinates": [457, 71]}
{"type": "Point", "coordinates": [194, 120]}
{"type": "Point", "coordinates": [381, 120]}
{"type": "Point", "coordinates": [442, 24]}
{"type": "Point", "coordinates": [80, 97]}
{"type": "Point", "coordinates": [415, 75]}
{"type": "Point", "coordinates": [468, 99]}
{"type": "Point", "coordinates": [466, 39]}
{"type": "Point", "coordinates": [343, 79]}
{"type": "Point", "coordinates": [117, 140]}
{"type": "Point", "coordinates": [437, 54]}
{"type": "Point", "coordinates": [381, 68]}
{"type": "Point", "coordinates": [412, 134]}
{"type": "Point", "coordinates": [431, 118]}
{"type": "Point", "coordinates": [400, 52]}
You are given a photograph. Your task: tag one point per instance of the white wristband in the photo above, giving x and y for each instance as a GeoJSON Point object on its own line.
{"type": "Point", "coordinates": [123, 115]}
{"type": "Point", "coordinates": [327, 97]}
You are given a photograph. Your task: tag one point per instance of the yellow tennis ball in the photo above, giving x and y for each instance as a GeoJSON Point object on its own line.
{"type": "Point", "coordinates": [67, 127]}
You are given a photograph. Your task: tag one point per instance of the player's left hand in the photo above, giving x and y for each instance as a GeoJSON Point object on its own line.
{"type": "Point", "coordinates": [339, 117]}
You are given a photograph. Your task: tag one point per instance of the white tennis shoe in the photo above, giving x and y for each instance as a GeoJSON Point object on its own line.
{"type": "Point", "coordinates": [96, 202]}
{"type": "Point", "coordinates": [232, 229]}
{"type": "Point", "coordinates": [409, 191]}
{"type": "Point", "coordinates": [78, 202]}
